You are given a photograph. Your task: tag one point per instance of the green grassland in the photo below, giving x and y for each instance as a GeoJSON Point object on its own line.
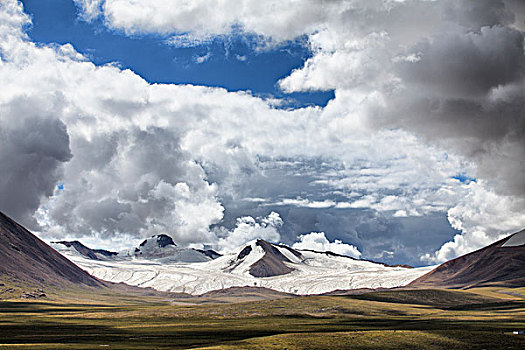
{"type": "Point", "coordinates": [399, 319]}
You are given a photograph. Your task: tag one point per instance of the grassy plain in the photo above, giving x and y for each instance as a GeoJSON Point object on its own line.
{"type": "Point", "coordinates": [404, 319]}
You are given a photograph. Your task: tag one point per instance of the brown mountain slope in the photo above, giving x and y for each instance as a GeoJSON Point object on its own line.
{"type": "Point", "coordinates": [272, 263]}
{"type": "Point", "coordinates": [499, 264]}
{"type": "Point", "coordinates": [25, 259]}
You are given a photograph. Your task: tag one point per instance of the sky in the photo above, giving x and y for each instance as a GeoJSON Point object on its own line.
{"type": "Point", "coordinates": [381, 129]}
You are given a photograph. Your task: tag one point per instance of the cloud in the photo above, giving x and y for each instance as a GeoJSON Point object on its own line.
{"type": "Point", "coordinates": [160, 191]}
{"type": "Point", "coordinates": [202, 59]}
{"type": "Point", "coordinates": [89, 9]}
{"type": "Point", "coordinates": [93, 130]}
{"type": "Point", "coordinates": [34, 145]}
{"type": "Point", "coordinates": [137, 158]}
{"type": "Point", "coordinates": [275, 19]}
{"type": "Point", "coordinates": [458, 83]}
{"type": "Point", "coordinates": [483, 217]}
{"type": "Point", "coordinates": [247, 229]}
{"type": "Point", "coordinates": [474, 106]}
{"type": "Point", "coordinates": [305, 203]}
{"type": "Point", "coordinates": [317, 241]}
{"type": "Point", "coordinates": [442, 69]}
{"type": "Point", "coordinates": [14, 21]}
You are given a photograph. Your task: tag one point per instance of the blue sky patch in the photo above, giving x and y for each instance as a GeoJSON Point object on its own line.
{"type": "Point", "coordinates": [229, 62]}
{"type": "Point", "coordinates": [464, 178]}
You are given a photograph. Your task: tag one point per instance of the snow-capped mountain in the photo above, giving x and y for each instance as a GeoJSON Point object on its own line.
{"type": "Point", "coordinates": [163, 248]}
{"type": "Point", "coordinates": [160, 248]}
{"type": "Point", "coordinates": [77, 248]}
{"type": "Point", "coordinates": [257, 263]}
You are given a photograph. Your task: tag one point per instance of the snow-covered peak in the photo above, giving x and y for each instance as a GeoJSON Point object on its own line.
{"type": "Point", "coordinates": [240, 259]}
{"type": "Point", "coordinates": [75, 248]}
{"type": "Point", "coordinates": [157, 241]}
{"type": "Point", "coordinates": [246, 246]}
{"type": "Point", "coordinates": [258, 258]}
{"type": "Point", "coordinates": [153, 247]}
{"type": "Point", "coordinates": [163, 247]}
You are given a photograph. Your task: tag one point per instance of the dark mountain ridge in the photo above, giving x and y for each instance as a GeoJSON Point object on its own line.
{"type": "Point", "coordinates": [86, 251]}
{"type": "Point", "coordinates": [161, 240]}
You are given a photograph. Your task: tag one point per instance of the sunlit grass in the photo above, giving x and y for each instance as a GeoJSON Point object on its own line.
{"type": "Point", "coordinates": [391, 320]}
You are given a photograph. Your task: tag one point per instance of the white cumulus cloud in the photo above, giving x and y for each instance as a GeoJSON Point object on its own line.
{"type": "Point", "coordinates": [248, 228]}
{"type": "Point", "coordinates": [317, 241]}
{"type": "Point", "coordinates": [137, 158]}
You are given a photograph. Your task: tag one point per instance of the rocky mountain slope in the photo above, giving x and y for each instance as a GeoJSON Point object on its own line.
{"type": "Point", "coordinates": [27, 260]}
{"type": "Point", "coordinates": [499, 264]}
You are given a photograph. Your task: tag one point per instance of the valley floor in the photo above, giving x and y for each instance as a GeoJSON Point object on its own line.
{"type": "Point", "coordinates": [402, 319]}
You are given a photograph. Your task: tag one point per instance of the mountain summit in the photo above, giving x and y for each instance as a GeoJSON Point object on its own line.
{"type": "Point", "coordinates": [164, 248]}
{"type": "Point", "coordinates": [263, 259]}
{"type": "Point", "coordinates": [159, 241]}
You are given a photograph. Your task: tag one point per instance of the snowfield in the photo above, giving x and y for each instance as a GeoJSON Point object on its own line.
{"type": "Point", "coordinates": [314, 273]}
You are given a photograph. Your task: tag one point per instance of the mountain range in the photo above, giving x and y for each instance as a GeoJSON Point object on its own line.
{"type": "Point", "coordinates": [162, 265]}
{"type": "Point", "coordinates": [161, 248]}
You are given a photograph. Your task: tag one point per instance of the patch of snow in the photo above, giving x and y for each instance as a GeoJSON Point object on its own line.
{"type": "Point", "coordinates": [64, 250]}
{"type": "Point", "coordinates": [289, 255]}
{"type": "Point", "coordinates": [318, 273]}
{"type": "Point", "coordinates": [516, 240]}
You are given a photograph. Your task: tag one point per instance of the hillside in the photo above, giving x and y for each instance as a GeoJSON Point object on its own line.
{"type": "Point", "coordinates": [499, 264]}
{"type": "Point", "coordinates": [28, 261]}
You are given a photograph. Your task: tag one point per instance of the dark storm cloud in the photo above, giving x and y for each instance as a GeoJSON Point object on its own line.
{"type": "Point", "coordinates": [377, 234]}
{"type": "Point", "coordinates": [478, 13]}
{"type": "Point", "coordinates": [464, 88]}
{"type": "Point", "coordinates": [134, 182]}
{"type": "Point", "coordinates": [132, 163]}
{"type": "Point", "coordinates": [33, 147]}
{"type": "Point", "coordinates": [468, 64]}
